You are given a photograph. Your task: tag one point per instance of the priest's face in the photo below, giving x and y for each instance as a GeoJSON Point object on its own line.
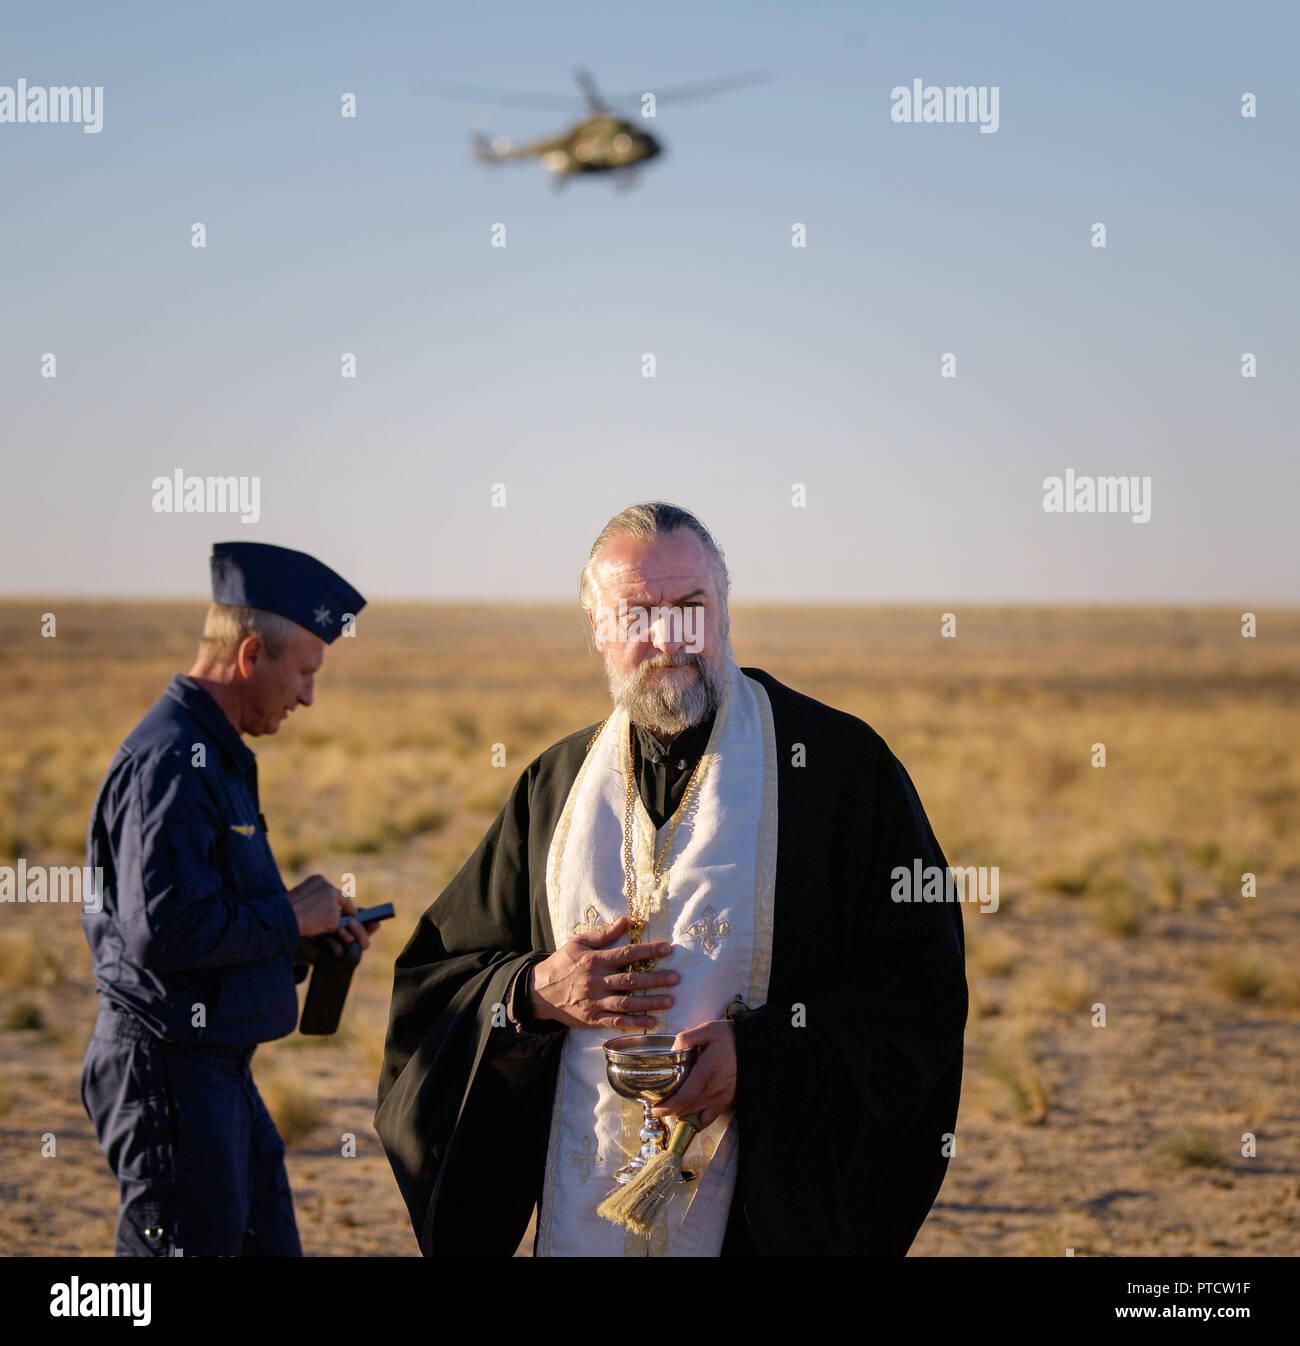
{"type": "Point", "coordinates": [662, 629]}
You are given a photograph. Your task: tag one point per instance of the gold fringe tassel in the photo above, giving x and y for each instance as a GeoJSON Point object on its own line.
{"type": "Point", "coordinates": [639, 1203]}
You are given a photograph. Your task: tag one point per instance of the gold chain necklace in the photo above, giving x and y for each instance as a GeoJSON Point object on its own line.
{"type": "Point", "coordinates": [639, 905]}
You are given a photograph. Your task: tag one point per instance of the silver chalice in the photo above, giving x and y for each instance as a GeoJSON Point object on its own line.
{"type": "Point", "coordinates": [645, 1069]}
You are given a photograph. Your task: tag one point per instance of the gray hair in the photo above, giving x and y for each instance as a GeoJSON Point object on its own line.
{"type": "Point", "coordinates": [227, 626]}
{"type": "Point", "coordinates": [649, 521]}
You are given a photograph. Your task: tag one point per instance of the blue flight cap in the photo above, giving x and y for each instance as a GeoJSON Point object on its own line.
{"type": "Point", "coordinates": [291, 583]}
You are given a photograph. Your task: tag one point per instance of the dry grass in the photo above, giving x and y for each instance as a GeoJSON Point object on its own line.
{"type": "Point", "coordinates": [1239, 975]}
{"type": "Point", "coordinates": [1121, 912]}
{"type": "Point", "coordinates": [1169, 886]}
{"type": "Point", "coordinates": [991, 953]}
{"type": "Point", "coordinates": [1284, 987]}
{"type": "Point", "coordinates": [1195, 1149]}
{"type": "Point", "coordinates": [371, 1033]}
{"type": "Point", "coordinates": [24, 1016]}
{"type": "Point", "coordinates": [25, 962]}
{"type": "Point", "coordinates": [1063, 987]}
{"type": "Point", "coordinates": [292, 1103]}
{"type": "Point", "coordinates": [1259, 1107]}
{"type": "Point", "coordinates": [1012, 1063]}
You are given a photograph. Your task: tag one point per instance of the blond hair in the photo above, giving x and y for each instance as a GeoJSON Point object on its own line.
{"type": "Point", "coordinates": [227, 626]}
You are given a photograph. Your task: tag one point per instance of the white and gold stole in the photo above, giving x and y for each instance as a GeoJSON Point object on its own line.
{"type": "Point", "coordinates": [714, 902]}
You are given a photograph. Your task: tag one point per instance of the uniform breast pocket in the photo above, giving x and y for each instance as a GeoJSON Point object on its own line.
{"type": "Point", "coordinates": [249, 864]}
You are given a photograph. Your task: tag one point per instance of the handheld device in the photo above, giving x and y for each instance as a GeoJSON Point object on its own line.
{"type": "Point", "coordinates": [383, 912]}
{"type": "Point", "coordinates": [331, 975]}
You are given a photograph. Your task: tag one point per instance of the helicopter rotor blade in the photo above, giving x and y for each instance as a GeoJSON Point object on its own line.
{"type": "Point", "coordinates": [704, 88]}
{"type": "Point", "coordinates": [677, 93]}
{"type": "Point", "coordinates": [474, 94]}
{"type": "Point", "coordinates": [588, 86]}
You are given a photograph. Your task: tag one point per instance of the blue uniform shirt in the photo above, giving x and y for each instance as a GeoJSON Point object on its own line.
{"type": "Point", "coordinates": [193, 908]}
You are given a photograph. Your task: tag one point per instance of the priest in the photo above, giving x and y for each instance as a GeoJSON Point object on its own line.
{"type": "Point", "coordinates": [715, 861]}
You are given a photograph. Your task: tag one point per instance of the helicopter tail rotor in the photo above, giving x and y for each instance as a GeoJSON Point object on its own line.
{"type": "Point", "coordinates": [489, 150]}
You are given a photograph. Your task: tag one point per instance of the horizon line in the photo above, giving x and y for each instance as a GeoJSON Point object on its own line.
{"type": "Point", "coordinates": [497, 600]}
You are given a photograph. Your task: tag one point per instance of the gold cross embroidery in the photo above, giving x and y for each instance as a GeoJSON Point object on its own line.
{"type": "Point", "coordinates": [585, 1159]}
{"type": "Point", "coordinates": [593, 921]}
{"type": "Point", "coordinates": [709, 930]}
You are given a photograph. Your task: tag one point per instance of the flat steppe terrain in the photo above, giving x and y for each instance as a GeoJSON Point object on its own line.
{"type": "Point", "coordinates": [1120, 886]}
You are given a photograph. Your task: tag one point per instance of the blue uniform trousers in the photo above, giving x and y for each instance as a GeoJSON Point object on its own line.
{"type": "Point", "coordinates": [197, 1156]}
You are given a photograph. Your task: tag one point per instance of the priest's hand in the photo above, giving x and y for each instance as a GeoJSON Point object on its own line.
{"type": "Point", "coordinates": [710, 1088]}
{"type": "Point", "coordinates": [583, 984]}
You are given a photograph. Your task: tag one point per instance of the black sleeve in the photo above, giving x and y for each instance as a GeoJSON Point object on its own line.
{"type": "Point", "coordinates": [459, 1136]}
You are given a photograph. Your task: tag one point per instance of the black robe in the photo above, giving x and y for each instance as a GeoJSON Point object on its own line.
{"type": "Point", "coordinates": [843, 1107]}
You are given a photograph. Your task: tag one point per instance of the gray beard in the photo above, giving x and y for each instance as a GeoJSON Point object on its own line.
{"type": "Point", "coordinates": [661, 708]}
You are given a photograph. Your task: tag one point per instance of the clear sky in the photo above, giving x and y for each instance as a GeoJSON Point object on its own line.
{"type": "Point", "coordinates": [775, 365]}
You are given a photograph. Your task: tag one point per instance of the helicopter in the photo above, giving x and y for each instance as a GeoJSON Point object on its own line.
{"type": "Point", "coordinates": [603, 142]}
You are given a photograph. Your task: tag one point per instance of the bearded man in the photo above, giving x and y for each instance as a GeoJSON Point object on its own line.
{"type": "Point", "coordinates": [714, 860]}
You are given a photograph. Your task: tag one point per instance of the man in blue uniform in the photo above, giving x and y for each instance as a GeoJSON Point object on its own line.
{"type": "Point", "coordinates": [197, 945]}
